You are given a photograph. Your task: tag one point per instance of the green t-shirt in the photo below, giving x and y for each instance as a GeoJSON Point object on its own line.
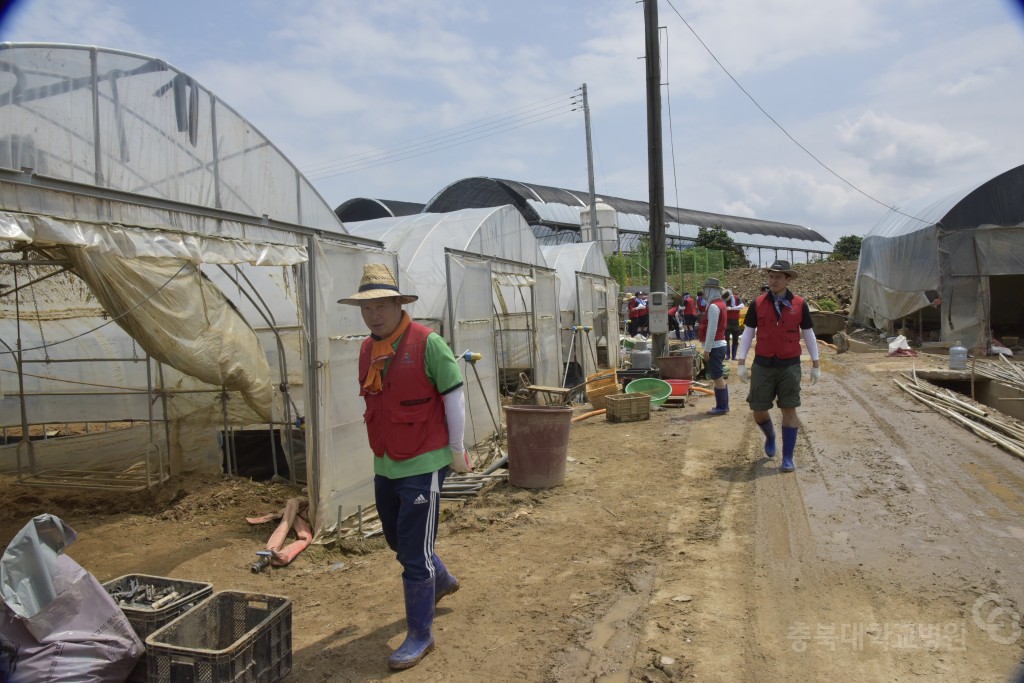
{"type": "Point", "coordinates": [444, 373]}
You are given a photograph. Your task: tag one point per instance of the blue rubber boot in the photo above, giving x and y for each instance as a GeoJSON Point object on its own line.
{"type": "Point", "coordinates": [444, 582]}
{"type": "Point", "coordinates": [721, 402]}
{"type": "Point", "coordinates": [419, 617]}
{"type": "Point", "coordinates": [769, 437]}
{"type": "Point", "coordinates": [788, 446]}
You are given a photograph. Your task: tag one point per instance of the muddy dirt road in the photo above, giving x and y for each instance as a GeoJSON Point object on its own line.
{"type": "Point", "coordinates": [675, 551]}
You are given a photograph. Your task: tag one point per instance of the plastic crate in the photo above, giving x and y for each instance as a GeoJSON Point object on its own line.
{"type": "Point", "coordinates": [600, 385]}
{"type": "Point", "coordinates": [628, 408]}
{"type": "Point", "coordinates": [145, 621]}
{"type": "Point", "coordinates": [231, 636]}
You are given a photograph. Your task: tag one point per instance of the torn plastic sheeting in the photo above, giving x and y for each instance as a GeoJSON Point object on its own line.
{"type": "Point", "coordinates": [186, 321]}
{"type": "Point", "coordinates": [59, 619]}
{"type": "Point", "coordinates": [133, 242]}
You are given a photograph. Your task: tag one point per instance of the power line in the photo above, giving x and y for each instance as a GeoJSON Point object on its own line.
{"type": "Point", "coordinates": [779, 125]}
{"type": "Point", "coordinates": [429, 139]}
{"type": "Point", "coordinates": [472, 131]}
{"type": "Point", "coordinates": [671, 130]}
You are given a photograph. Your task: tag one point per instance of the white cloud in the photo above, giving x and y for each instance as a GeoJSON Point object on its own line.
{"type": "Point", "coordinates": [751, 37]}
{"type": "Point", "coordinates": [894, 146]}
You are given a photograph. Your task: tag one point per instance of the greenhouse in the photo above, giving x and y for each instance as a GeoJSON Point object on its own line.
{"type": "Point", "coordinates": [588, 298]}
{"type": "Point", "coordinates": [953, 261]}
{"type": "Point", "coordinates": [170, 287]}
{"type": "Point", "coordinates": [450, 260]}
{"type": "Point", "coordinates": [554, 215]}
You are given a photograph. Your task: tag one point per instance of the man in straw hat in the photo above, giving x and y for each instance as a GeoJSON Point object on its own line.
{"type": "Point", "coordinates": [779, 318]}
{"type": "Point", "coordinates": [711, 333]}
{"type": "Point", "coordinates": [415, 419]}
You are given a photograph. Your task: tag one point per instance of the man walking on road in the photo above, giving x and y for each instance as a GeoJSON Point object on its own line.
{"type": "Point", "coordinates": [415, 420]}
{"type": "Point", "coordinates": [779, 318]}
{"type": "Point", "coordinates": [711, 333]}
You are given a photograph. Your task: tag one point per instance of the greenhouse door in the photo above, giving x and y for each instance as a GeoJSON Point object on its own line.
{"type": "Point", "coordinates": [340, 474]}
{"type": "Point", "coordinates": [547, 342]}
{"type": "Point", "coordinates": [470, 327]}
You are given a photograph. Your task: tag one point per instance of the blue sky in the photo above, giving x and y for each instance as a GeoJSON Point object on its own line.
{"type": "Point", "coordinates": [901, 99]}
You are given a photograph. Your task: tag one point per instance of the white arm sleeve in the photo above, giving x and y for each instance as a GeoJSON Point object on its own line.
{"type": "Point", "coordinates": [745, 340]}
{"type": "Point", "coordinates": [455, 415]}
{"type": "Point", "coordinates": [709, 334]}
{"type": "Point", "coordinates": [811, 342]}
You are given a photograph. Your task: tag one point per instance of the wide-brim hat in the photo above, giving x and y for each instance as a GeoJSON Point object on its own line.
{"type": "Point", "coordinates": [712, 282]}
{"type": "Point", "coordinates": [377, 283]}
{"type": "Point", "coordinates": [781, 266]}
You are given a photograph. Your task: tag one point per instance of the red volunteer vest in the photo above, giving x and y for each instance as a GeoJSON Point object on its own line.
{"type": "Point", "coordinates": [407, 417]}
{"type": "Point", "coordinates": [702, 328]}
{"type": "Point", "coordinates": [733, 315]}
{"type": "Point", "coordinates": [689, 306]}
{"type": "Point", "coordinates": [778, 336]}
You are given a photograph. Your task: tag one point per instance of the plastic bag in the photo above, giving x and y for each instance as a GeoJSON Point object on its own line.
{"type": "Point", "coordinates": [58, 623]}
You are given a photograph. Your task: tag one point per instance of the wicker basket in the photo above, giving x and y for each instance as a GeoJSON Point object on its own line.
{"type": "Point", "coordinates": [628, 408]}
{"type": "Point", "coordinates": [601, 385]}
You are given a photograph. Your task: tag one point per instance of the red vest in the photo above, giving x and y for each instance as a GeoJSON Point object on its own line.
{"type": "Point", "coordinates": [702, 328]}
{"type": "Point", "coordinates": [407, 417]}
{"type": "Point", "coordinates": [779, 337]}
{"type": "Point", "coordinates": [733, 315]}
{"type": "Point", "coordinates": [689, 306]}
{"type": "Point", "coordinates": [637, 308]}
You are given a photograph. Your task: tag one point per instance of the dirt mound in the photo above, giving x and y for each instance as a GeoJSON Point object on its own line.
{"type": "Point", "coordinates": [815, 281]}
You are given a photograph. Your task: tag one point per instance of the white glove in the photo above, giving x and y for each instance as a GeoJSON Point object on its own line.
{"type": "Point", "coordinates": [741, 372]}
{"type": "Point", "coordinates": [460, 461]}
{"type": "Point", "coordinates": [815, 375]}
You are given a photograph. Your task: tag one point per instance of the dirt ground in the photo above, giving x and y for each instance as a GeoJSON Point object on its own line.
{"type": "Point", "coordinates": [674, 551]}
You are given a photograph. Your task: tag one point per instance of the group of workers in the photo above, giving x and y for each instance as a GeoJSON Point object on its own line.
{"type": "Point", "coordinates": [415, 409]}
{"type": "Point", "coordinates": [777, 319]}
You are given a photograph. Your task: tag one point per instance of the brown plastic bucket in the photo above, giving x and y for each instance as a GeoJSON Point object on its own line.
{"type": "Point", "coordinates": [538, 441]}
{"type": "Point", "coordinates": [675, 367]}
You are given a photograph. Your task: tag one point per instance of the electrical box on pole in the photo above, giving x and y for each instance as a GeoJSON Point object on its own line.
{"type": "Point", "coordinates": [657, 313]}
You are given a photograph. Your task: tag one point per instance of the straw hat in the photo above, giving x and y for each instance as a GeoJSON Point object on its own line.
{"type": "Point", "coordinates": [781, 266]}
{"type": "Point", "coordinates": [377, 283]}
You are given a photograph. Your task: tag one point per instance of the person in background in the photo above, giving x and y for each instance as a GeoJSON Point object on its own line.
{"type": "Point", "coordinates": [673, 321]}
{"type": "Point", "coordinates": [637, 313]}
{"type": "Point", "coordinates": [778, 318]}
{"type": "Point", "coordinates": [711, 334]}
{"type": "Point", "coordinates": [415, 420]}
{"type": "Point", "coordinates": [733, 306]}
{"type": "Point", "coordinates": [689, 317]}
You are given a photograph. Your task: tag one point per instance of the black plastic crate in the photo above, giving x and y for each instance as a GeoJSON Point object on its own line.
{"type": "Point", "coordinates": [230, 637]}
{"type": "Point", "coordinates": [144, 620]}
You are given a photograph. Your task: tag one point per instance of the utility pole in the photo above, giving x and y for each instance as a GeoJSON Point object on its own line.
{"type": "Point", "coordinates": [655, 167]}
{"type": "Point", "coordinates": [590, 164]}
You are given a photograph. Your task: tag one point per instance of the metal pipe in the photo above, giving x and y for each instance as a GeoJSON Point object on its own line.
{"type": "Point", "coordinates": [306, 274]}
{"type": "Point", "coordinates": [227, 442]}
{"type": "Point", "coordinates": [149, 405]}
{"type": "Point", "coordinates": [167, 425]}
{"type": "Point", "coordinates": [29, 448]}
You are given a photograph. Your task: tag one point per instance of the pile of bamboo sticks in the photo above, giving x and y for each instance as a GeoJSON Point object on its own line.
{"type": "Point", "coordinates": [1002, 430]}
{"type": "Point", "coordinates": [1002, 371]}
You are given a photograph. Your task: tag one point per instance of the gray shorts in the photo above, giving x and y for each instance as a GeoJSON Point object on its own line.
{"type": "Point", "coordinates": [768, 384]}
